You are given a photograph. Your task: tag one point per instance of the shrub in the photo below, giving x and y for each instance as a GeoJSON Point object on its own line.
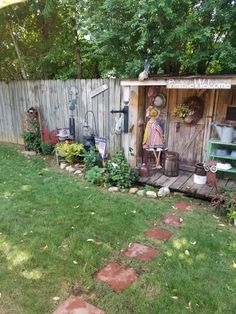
{"type": "Point", "coordinates": [95, 175]}
{"type": "Point", "coordinates": [119, 173]}
{"type": "Point", "coordinates": [91, 158]}
{"type": "Point", "coordinates": [225, 203]}
{"type": "Point", "coordinates": [72, 152]}
{"type": "Point", "coordinates": [149, 188]}
{"type": "Point", "coordinates": [47, 149]}
{"type": "Point", "coordinates": [31, 136]}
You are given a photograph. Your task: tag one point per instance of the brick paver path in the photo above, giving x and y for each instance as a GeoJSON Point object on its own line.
{"type": "Point", "coordinates": [75, 305]}
{"type": "Point", "coordinates": [141, 252]}
{"type": "Point", "coordinates": [172, 219]}
{"type": "Point", "coordinates": [159, 234]}
{"type": "Point", "coordinates": [117, 276]}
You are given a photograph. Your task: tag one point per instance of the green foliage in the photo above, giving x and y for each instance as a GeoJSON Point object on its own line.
{"type": "Point", "coordinates": [225, 203]}
{"type": "Point", "coordinates": [95, 175]}
{"type": "Point", "coordinates": [47, 149]}
{"type": "Point", "coordinates": [91, 158]}
{"type": "Point", "coordinates": [45, 42]}
{"type": "Point", "coordinates": [31, 136]}
{"type": "Point", "coordinates": [178, 36]}
{"type": "Point", "coordinates": [32, 141]}
{"type": "Point", "coordinates": [149, 188]}
{"type": "Point", "coordinates": [232, 215]}
{"type": "Point", "coordinates": [119, 173]}
{"type": "Point", "coordinates": [73, 152]}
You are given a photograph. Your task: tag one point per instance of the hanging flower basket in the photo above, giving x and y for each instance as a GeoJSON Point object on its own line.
{"type": "Point", "coordinates": [182, 111]}
{"type": "Point", "coordinates": [191, 111]}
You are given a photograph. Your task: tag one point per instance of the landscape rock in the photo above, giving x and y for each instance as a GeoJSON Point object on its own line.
{"type": "Point", "coordinates": [164, 191]}
{"type": "Point", "coordinates": [29, 153]}
{"type": "Point", "coordinates": [141, 193]}
{"type": "Point", "coordinates": [151, 194]}
{"type": "Point", "coordinates": [78, 172]}
{"type": "Point", "coordinates": [63, 165]}
{"type": "Point", "coordinates": [70, 169]}
{"type": "Point", "coordinates": [133, 190]}
{"type": "Point", "coordinates": [113, 189]}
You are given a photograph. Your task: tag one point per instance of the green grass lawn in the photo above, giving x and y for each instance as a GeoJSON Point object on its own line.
{"type": "Point", "coordinates": [47, 217]}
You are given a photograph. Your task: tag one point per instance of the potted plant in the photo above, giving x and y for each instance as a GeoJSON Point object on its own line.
{"type": "Point", "coordinates": [72, 152]}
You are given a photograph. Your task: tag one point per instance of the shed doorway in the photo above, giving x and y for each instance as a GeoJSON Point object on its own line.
{"type": "Point", "coordinates": [186, 139]}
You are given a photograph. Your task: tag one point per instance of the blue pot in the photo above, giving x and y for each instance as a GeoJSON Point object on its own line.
{"type": "Point", "coordinates": [221, 152]}
{"type": "Point", "coordinates": [233, 154]}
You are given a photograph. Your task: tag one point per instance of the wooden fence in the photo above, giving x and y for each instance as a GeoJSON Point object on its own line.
{"type": "Point", "coordinates": [52, 97]}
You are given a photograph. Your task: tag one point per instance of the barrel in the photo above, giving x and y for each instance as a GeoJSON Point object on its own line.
{"type": "Point", "coordinates": [199, 174]}
{"type": "Point", "coordinates": [171, 164]}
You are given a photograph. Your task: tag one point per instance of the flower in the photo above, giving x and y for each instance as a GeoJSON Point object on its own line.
{"type": "Point", "coordinates": [182, 111]}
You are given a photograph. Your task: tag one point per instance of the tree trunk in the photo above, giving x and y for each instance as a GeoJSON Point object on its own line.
{"type": "Point", "coordinates": [78, 59]}
{"type": "Point", "coordinates": [18, 52]}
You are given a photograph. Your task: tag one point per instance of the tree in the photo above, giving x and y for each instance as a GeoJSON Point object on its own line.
{"type": "Point", "coordinates": [177, 36]}
{"type": "Point", "coordinates": [42, 42]}
{"type": "Point", "coordinates": [47, 39]}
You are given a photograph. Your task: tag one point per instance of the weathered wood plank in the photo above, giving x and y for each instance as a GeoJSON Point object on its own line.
{"type": "Point", "coordinates": [171, 180]}
{"type": "Point", "coordinates": [52, 99]}
{"type": "Point", "coordinates": [205, 190]}
{"type": "Point", "coordinates": [153, 178]}
{"type": "Point", "coordinates": [182, 179]}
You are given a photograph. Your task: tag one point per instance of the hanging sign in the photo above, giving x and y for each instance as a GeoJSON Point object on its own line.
{"type": "Point", "coordinates": [101, 143]}
{"type": "Point", "coordinates": [98, 90]}
{"type": "Point", "coordinates": [199, 84]}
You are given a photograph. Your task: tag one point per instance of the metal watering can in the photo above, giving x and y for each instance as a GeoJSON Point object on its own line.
{"type": "Point", "coordinates": [225, 132]}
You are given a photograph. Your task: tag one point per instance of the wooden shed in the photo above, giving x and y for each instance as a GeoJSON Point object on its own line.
{"type": "Point", "coordinates": [217, 94]}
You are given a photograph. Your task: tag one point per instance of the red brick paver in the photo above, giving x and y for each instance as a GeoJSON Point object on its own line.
{"type": "Point", "coordinates": [173, 220]}
{"type": "Point", "coordinates": [158, 234]}
{"type": "Point", "coordinates": [74, 305]}
{"type": "Point", "coordinates": [141, 252]}
{"type": "Point", "coordinates": [184, 206]}
{"type": "Point", "coordinates": [118, 277]}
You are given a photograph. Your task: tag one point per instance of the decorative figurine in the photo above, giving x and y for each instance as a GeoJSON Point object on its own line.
{"type": "Point", "coordinates": [153, 135]}
{"type": "Point", "coordinates": [144, 75]}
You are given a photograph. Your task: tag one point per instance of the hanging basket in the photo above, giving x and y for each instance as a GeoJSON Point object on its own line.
{"type": "Point", "coordinates": [188, 119]}
{"type": "Point", "coordinates": [196, 105]}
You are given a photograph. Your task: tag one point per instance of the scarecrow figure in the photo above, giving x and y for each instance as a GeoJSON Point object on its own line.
{"type": "Point", "coordinates": [153, 135]}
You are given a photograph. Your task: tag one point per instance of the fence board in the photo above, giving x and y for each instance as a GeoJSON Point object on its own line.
{"type": "Point", "coordinates": [52, 97]}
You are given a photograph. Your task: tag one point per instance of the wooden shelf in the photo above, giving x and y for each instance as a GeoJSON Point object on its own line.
{"type": "Point", "coordinates": [213, 144]}
{"type": "Point", "coordinates": [232, 170]}
{"type": "Point", "coordinates": [222, 157]}
{"type": "Point", "coordinates": [216, 141]}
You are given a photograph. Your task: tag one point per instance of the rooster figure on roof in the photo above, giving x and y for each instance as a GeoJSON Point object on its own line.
{"type": "Point", "coordinates": [144, 75]}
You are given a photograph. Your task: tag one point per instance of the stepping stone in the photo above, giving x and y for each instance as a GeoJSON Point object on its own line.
{"type": "Point", "coordinates": [158, 234]}
{"type": "Point", "coordinates": [141, 252]}
{"type": "Point", "coordinates": [184, 206]}
{"type": "Point", "coordinates": [74, 305]}
{"type": "Point", "coordinates": [118, 277]}
{"type": "Point", "coordinates": [173, 220]}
